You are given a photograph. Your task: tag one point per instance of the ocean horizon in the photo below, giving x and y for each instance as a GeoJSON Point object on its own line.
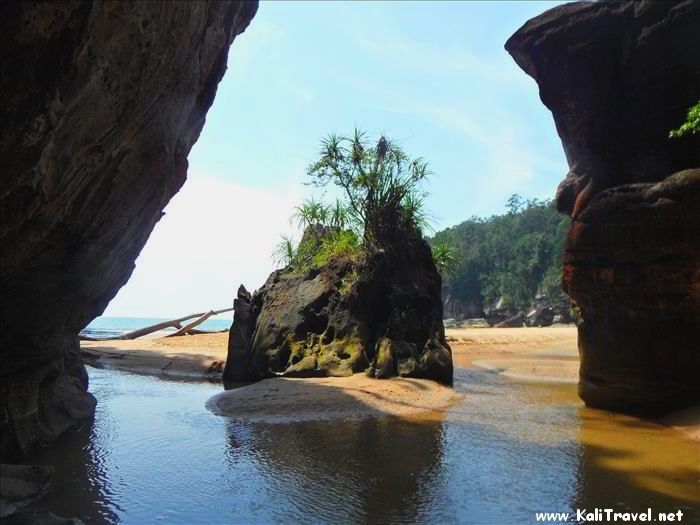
{"type": "Point", "coordinates": [113, 326]}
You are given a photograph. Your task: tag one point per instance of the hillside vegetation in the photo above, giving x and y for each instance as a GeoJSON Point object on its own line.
{"type": "Point", "coordinates": [508, 262]}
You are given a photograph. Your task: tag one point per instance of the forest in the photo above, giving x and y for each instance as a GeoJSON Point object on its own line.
{"type": "Point", "coordinates": [513, 258]}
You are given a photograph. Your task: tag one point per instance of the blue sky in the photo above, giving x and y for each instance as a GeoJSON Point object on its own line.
{"type": "Point", "coordinates": [431, 75]}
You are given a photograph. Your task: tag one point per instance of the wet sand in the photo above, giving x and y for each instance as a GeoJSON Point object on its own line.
{"type": "Point", "coordinates": [543, 355]}
{"type": "Point", "coordinates": [488, 344]}
{"type": "Point", "coordinates": [537, 354]}
{"type": "Point", "coordinates": [286, 400]}
{"type": "Point", "coordinates": [188, 357]}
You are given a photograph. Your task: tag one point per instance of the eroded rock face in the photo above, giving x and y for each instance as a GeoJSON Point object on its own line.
{"type": "Point", "coordinates": [383, 316]}
{"type": "Point", "coordinates": [20, 485]}
{"type": "Point", "coordinates": [101, 103]}
{"type": "Point", "coordinates": [617, 78]}
{"type": "Point", "coordinates": [240, 336]}
{"type": "Point", "coordinates": [632, 265]}
{"type": "Point", "coordinates": [455, 308]}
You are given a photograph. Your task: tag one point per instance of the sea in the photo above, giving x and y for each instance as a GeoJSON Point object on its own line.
{"type": "Point", "coordinates": [105, 326]}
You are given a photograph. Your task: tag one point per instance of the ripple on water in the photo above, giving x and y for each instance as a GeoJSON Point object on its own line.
{"type": "Point", "coordinates": [154, 454]}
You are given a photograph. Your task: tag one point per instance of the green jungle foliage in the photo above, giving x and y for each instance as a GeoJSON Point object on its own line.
{"type": "Point", "coordinates": [381, 202]}
{"type": "Point", "coordinates": [510, 256]}
{"type": "Point", "coordinates": [321, 242]}
{"type": "Point", "coordinates": [380, 184]}
{"type": "Point", "coordinates": [691, 124]}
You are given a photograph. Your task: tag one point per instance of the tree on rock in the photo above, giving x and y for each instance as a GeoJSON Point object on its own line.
{"type": "Point", "coordinates": [691, 124]}
{"type": "Point", "coordinates": [381, 184]}
{"type": "Point", "coordinates": [360, 291]}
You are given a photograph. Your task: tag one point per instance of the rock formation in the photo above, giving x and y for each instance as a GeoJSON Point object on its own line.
{"type": "Point", "coordinates": [240, 337]}
{"type": "Point", "coordinates": [20, 485]}
{"type": "Point", "coordinates": [617, 78]}
{"type": "Point", "coordinates": [543, 316]}
{"type": "Point", "coordinates": [101, 103]}
{"type": "Point", "coordinates": [382, 315]}
{"type": "Point", "coordinates": [459, 309]}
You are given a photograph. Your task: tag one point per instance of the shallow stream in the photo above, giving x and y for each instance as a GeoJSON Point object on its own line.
{"type": "Point", "coordinates": [154, 454]}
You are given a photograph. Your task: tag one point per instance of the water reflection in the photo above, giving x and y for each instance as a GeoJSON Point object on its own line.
{"type": "Point", "coordinates": [508, 450]}
{"type": "Point", "coordinates": [630, 465]}
{"type": "Point", "coordinates": [83, 483]}
{"type": "Point", "coordinates": [351, 471]}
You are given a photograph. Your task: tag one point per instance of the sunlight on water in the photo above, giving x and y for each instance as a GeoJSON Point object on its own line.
{"type": "Point", "coordinates": [155, 455]}
{"type": "Point", "coordinates": [640, 454]}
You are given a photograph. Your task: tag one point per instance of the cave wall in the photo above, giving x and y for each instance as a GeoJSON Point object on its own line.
{"type": "Point", "coordinates": [100, 104]}
{"type": "Point", "coordinates": [617, 78]}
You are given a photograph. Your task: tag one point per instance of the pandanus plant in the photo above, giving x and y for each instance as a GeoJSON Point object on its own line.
{"type": "Point", "coordinates": [340, 216]}
{"type": "Point", "coordinates": [311, 212]}
{"type": "Point", "coordinates": [444, 257]}
{"type": "Point", "coordinates": [285, 252]}
{"type": "Point", "coordinates": [380, 183]}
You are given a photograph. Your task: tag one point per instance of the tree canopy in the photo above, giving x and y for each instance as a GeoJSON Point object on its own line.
{"type": "Point", "coordinates": [381, 201]}
{"type": "Point", "coordinates": [510, 256]}
{"type": "Point", "coordinates": [380, 182]}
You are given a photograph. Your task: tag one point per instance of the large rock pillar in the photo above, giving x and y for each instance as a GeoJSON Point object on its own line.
{"type": "Point", "coordinates": [617, 78]}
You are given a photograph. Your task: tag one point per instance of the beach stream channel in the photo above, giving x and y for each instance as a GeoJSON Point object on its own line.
{"type": "Point", "coordinates": [505, 450]}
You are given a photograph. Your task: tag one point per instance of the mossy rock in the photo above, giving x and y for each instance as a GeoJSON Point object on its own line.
{"type": "Point", "coordinates": [382, 314]}
{"type": "Point", "coordinates": [384, 365]}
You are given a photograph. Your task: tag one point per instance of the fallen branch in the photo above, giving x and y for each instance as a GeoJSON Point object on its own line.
{"type": "Point", "coordinates": [195, 331]}
{"type": "Point", "coordinates": [173, 323]}
{"type": "Point", "coordinates": [185, 329]}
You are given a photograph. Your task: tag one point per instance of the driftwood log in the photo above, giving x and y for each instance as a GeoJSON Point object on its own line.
{"type": "Point", "coordinates": [173, 323]}
{"type": "Point", "coordinates": [188, 327]}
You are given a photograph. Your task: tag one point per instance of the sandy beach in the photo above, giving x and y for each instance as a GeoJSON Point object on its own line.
{"type": "Point", "coordinates": [480, 346]}
{"type": "Point", "coordinates": [522, 354]}
{"type": "Point", "coordinates": [188, 357]}
{"type": "Point", "coordinates": [284, 400]}
{"type": "Point", "coordinates": [538, 353]}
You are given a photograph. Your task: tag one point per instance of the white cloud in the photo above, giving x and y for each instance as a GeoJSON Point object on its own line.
{"type": "Point", "coordinates": [508, 161]}
{"type": "Point", "coordinates": [215, 235]}
{"type": "Point", "coordinates": [394, 49]}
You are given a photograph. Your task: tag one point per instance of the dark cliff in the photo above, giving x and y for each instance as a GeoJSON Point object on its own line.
{"type": "Point", "coordinates": [101, 103]}
{"type": "Point", "coordinates": [617, 78]}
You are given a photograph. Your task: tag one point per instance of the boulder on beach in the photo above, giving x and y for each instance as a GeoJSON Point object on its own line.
{"type": "Point", "coordinates": [540, 316]}
{"type": "Point", "coordinates": [381, 314]}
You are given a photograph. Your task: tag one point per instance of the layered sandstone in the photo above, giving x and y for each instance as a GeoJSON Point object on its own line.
{"type": "Point", "coordinates": [617, 78]}
{"type": "Point", "coordinates": [101, 103]}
